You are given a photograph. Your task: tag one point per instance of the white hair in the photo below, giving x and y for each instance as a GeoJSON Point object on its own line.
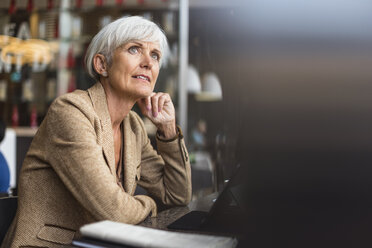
{"type": "Point", "coordinates": [120, 32]}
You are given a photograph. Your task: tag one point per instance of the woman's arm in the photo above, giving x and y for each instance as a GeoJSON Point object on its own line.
{"type": "Point", "coordinates": [166, 176]}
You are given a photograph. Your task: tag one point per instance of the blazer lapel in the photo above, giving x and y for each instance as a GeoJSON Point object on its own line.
{"type": "Point", "coordinates": [130, 157]}
{"type": "Point", "coordinates": [98, 96]}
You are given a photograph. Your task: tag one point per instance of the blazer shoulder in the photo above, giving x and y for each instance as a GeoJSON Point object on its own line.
{"type": "Point", "coordinates": [79, 99]}
{"type": "Point", "coordinates": [75, 96]}
{"type": "Point", "coordinates": [72, 106]}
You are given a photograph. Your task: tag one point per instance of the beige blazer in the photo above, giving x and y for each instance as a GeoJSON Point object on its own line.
{"type": "Point", "coordinates": [68, 177]}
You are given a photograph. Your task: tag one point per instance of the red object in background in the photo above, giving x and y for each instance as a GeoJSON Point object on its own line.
{"type": "Point", "coordinates": [141, 1]}
{"type": "Point", "coordinates": [33, 117]}
{"type": "Point", "coordinates": [50, 4]}
{"type": "Point", "coordinates": [56, 30]}
{"type": "Point", "coordinates": [71, 83]}
{"type": "Point", "coordinates": [15, 116]}
{"type": "Point", "coordinates": [70, 58]}
{"type": "Point", "coordinates": [30, 5]}
{"type": "Point", "coordinates": [12, 7]}
{"type": "Point", "coordinates": [99, 2]}
{"type": "Point", "coordinates": [119, 2]}
{"type": "Point", "coordinates": [79, 3]}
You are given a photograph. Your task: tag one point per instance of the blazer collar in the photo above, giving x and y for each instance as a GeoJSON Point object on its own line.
{"type": "Point", "coordinates": [131, 157]}
{"type": "Point", "coordinates": [98, 96]}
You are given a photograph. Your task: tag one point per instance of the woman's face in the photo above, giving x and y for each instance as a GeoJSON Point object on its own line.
{"type": "Point", "coordinates": [135, 69]}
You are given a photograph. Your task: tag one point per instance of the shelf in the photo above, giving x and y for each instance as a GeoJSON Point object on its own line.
{"type": "Point", "coordinates": [25, 131]}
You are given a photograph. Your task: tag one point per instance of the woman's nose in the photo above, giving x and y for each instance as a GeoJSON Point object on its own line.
{"type": "Point", "coordinates": [146, 61]}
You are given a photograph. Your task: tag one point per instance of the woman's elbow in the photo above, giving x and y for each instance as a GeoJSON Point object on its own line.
{"type": "Point", "coordinates": [178, 199]}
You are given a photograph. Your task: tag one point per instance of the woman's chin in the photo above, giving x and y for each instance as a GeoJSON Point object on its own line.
{"type": "Point", "coordinates": [144, 93]}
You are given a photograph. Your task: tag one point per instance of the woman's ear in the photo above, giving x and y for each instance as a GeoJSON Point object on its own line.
{"type": "Point", "coordinates": [100, 65]}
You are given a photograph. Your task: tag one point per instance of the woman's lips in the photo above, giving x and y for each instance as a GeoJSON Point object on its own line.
{"type": "Point", "coordinates": [143, 77]}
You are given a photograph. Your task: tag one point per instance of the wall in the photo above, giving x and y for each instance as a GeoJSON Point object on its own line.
{"type": "Point", "coordinates": [295, 77]}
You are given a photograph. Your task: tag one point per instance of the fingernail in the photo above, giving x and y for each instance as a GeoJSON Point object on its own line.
{"type": "Point", "coordinates": [148, 107]}
{"type": "Point", "coordinates": [155, 114]}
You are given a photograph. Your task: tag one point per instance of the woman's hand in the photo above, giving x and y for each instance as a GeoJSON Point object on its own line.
{"type": "Point", "coordinates": [158, 107]}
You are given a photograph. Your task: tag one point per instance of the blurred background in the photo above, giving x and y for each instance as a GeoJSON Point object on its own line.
{"type": "Point", "coordinates": [280, 86]}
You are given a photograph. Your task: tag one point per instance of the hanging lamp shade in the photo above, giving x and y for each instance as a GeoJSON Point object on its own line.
{"type": "Point", "coordinates": [211, 88]}
{"type": "Point", "coordinates": [193, 80]}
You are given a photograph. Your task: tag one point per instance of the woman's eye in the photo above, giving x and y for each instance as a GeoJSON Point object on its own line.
{"type": "Point", "coordinates": [155, 56]}
{"type": "Point", "coordinates": [133, 50]}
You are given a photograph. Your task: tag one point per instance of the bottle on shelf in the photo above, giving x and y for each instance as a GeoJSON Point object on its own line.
{"type": "Point", "coordinates": [15, 116]}
{"type": "Point", "coordinates": [33, 117]}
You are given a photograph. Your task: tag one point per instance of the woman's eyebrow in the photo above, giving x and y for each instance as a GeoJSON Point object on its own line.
{"type": "Point", "coordinates": [157, 51]}
{"type": "Point", "coordinates": [138, 43]}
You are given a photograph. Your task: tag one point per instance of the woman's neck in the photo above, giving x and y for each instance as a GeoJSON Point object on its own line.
{"type": "Point", "coordinates": [118, 106]}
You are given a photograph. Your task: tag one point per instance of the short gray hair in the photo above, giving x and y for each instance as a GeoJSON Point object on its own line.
{"type": "Point", "coordinates": [120, 32]}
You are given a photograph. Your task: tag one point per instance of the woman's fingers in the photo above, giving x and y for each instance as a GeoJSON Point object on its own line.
{"type": "Point", "coordinates": [155, 104]}
{"type": "Point", "coordinates": [162, 100]}
{"type": "Point", "coordinates": [148, 101]}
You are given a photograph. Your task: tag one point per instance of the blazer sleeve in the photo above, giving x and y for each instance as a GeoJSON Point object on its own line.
{"type": "Point", "coordinates": [166, 173]}
{"type": "Point", "coordinates": [78, 159]}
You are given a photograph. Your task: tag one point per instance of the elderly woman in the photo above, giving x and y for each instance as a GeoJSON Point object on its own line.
{"type": "Point", "coordinates": [91, 150]}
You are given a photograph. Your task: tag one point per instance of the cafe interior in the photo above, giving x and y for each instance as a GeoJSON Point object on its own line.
{"type": "Point", "coordinates": [281, 88]}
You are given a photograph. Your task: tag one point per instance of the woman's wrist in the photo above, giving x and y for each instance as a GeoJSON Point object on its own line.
{"type": "Point", "coordinates": [167, 131]}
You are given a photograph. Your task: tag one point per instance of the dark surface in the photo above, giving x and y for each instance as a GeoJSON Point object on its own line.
{"type": "Point", "coordinates": [190, 221]}
{"type": "Point", "coordinates": [309, 199]}
{"type": "Point", "coordinates": [8, 207]}
{"type": "Point", "coordinates": [301, 199]}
